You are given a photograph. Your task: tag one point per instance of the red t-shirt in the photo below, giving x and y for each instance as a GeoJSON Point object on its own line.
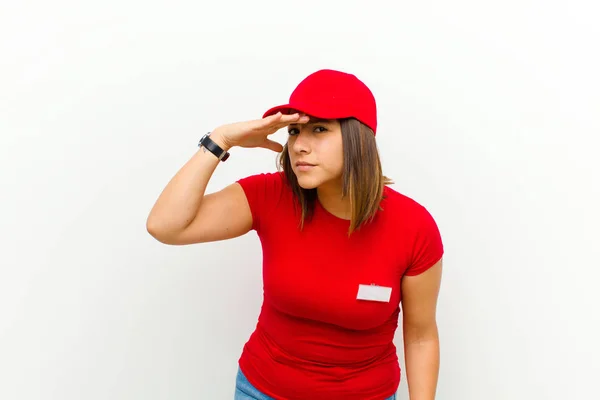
{"type": "Point", "coordinates": [314, 339]}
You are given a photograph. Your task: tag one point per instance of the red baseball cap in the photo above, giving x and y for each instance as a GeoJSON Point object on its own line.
{"type": "Point", "coordinates": [331, 94]}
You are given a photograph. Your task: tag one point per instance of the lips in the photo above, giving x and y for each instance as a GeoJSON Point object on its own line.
{"type": "Point", "coordinates": [304, 164]}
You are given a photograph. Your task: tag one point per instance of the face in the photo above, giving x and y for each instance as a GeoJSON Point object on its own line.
{"type": "Point", "coordinates": [316, 153]}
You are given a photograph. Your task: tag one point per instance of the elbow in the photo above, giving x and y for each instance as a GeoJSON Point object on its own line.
{"type": "Point", "coordinates": [151, 227]}
{"type": "Point", "coordinates": [157, 231]}
{"type": "Point", "coordinates": [416, 334]}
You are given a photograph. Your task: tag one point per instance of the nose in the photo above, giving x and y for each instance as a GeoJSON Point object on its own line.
{"type": "Point", "coordinates": [301, 142]}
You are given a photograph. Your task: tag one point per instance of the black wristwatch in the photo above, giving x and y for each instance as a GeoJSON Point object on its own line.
{"type": "Point", "coordinates": [214, 148]}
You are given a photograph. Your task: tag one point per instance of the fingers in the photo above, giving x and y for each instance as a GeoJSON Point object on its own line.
{"type": "Point", "coordinates": [272, 145]}
{"type": "Point", "coordinates": [280, 120]}
{"type": "Point", "coordinates": [293, 117]}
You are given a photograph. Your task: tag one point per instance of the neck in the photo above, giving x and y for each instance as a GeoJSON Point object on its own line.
{"type": "Point", "coordinates": [330, 197]}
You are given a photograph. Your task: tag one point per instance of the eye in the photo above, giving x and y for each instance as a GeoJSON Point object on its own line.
{"type": "Point", "coordinates": [293, 131]}
{"type": "Point", "coordinates": [320, 129]}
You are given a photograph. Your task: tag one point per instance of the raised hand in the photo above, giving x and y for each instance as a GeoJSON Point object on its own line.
{"type": "Point", "coordinates": [255, 133]}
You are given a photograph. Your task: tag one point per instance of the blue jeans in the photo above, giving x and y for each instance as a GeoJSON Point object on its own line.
{"type": "Point", "coordinates": [245, 391]}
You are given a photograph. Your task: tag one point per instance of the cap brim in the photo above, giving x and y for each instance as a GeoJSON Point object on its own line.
{"type": "Point", "coordinates": [311, 111]}
{"type": "Point", "coordinates": [284, 109]}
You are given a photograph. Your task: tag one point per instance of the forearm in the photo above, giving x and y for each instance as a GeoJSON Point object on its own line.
{"type": "Point", "coordinates": [180, 200]}
{"type": "Point", "coordinates": [422, 358]}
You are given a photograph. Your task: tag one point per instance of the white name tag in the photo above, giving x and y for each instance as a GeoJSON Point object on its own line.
{"type": "Point", "coordinates": [374, 293]}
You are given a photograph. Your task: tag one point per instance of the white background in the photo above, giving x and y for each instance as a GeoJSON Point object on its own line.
{"type": "Point", "coordinates": [488, 117]}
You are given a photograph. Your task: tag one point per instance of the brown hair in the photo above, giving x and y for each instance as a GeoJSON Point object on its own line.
{"type": "Point", "coordinates": [362, 177]}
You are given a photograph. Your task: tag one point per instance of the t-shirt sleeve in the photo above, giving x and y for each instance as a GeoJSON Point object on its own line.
{"type": "Point", "coordinates": [261, 192]}
{"type": "Point", "coordinates": [428, 247]}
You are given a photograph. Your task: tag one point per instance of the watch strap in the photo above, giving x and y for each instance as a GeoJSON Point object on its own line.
{"type": "Point", "coordinates": [214, 148]}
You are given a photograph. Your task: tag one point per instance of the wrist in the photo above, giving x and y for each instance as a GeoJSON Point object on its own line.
{"type": "Point", "coordinates": [220, 140]}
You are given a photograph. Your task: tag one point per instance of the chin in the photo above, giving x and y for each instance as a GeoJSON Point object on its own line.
{"type": "Point", "coordinates": [307, 182]}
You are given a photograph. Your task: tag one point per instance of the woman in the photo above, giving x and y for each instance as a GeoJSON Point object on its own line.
{"type": "Point", "coordinates": [341, 249]}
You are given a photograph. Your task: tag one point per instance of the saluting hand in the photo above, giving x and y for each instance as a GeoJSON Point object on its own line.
{"type": "Point", "coordinates": [255, 133]}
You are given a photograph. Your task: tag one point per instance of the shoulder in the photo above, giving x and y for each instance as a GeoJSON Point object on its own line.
{"type": "Point", "coordinates": [266, 194]}
{"type": "Point", "coordinates": [264, 177]}
{"type": "Point", "coordinates": [267, 188]}
{"type": "Point", "coordinates": [402, 205]}
{"type": "Point", "coordinates": [405, 213]}
{"type": "Point", "coordinates": [418, 227]}
{"type": "Point", "coordinates": [265, 181]}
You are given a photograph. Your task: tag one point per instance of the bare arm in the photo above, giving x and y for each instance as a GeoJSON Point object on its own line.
{"type": "Point", "coordinates": [421, 342]}
{"type": "Point", "coordinates": [184, 215]}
